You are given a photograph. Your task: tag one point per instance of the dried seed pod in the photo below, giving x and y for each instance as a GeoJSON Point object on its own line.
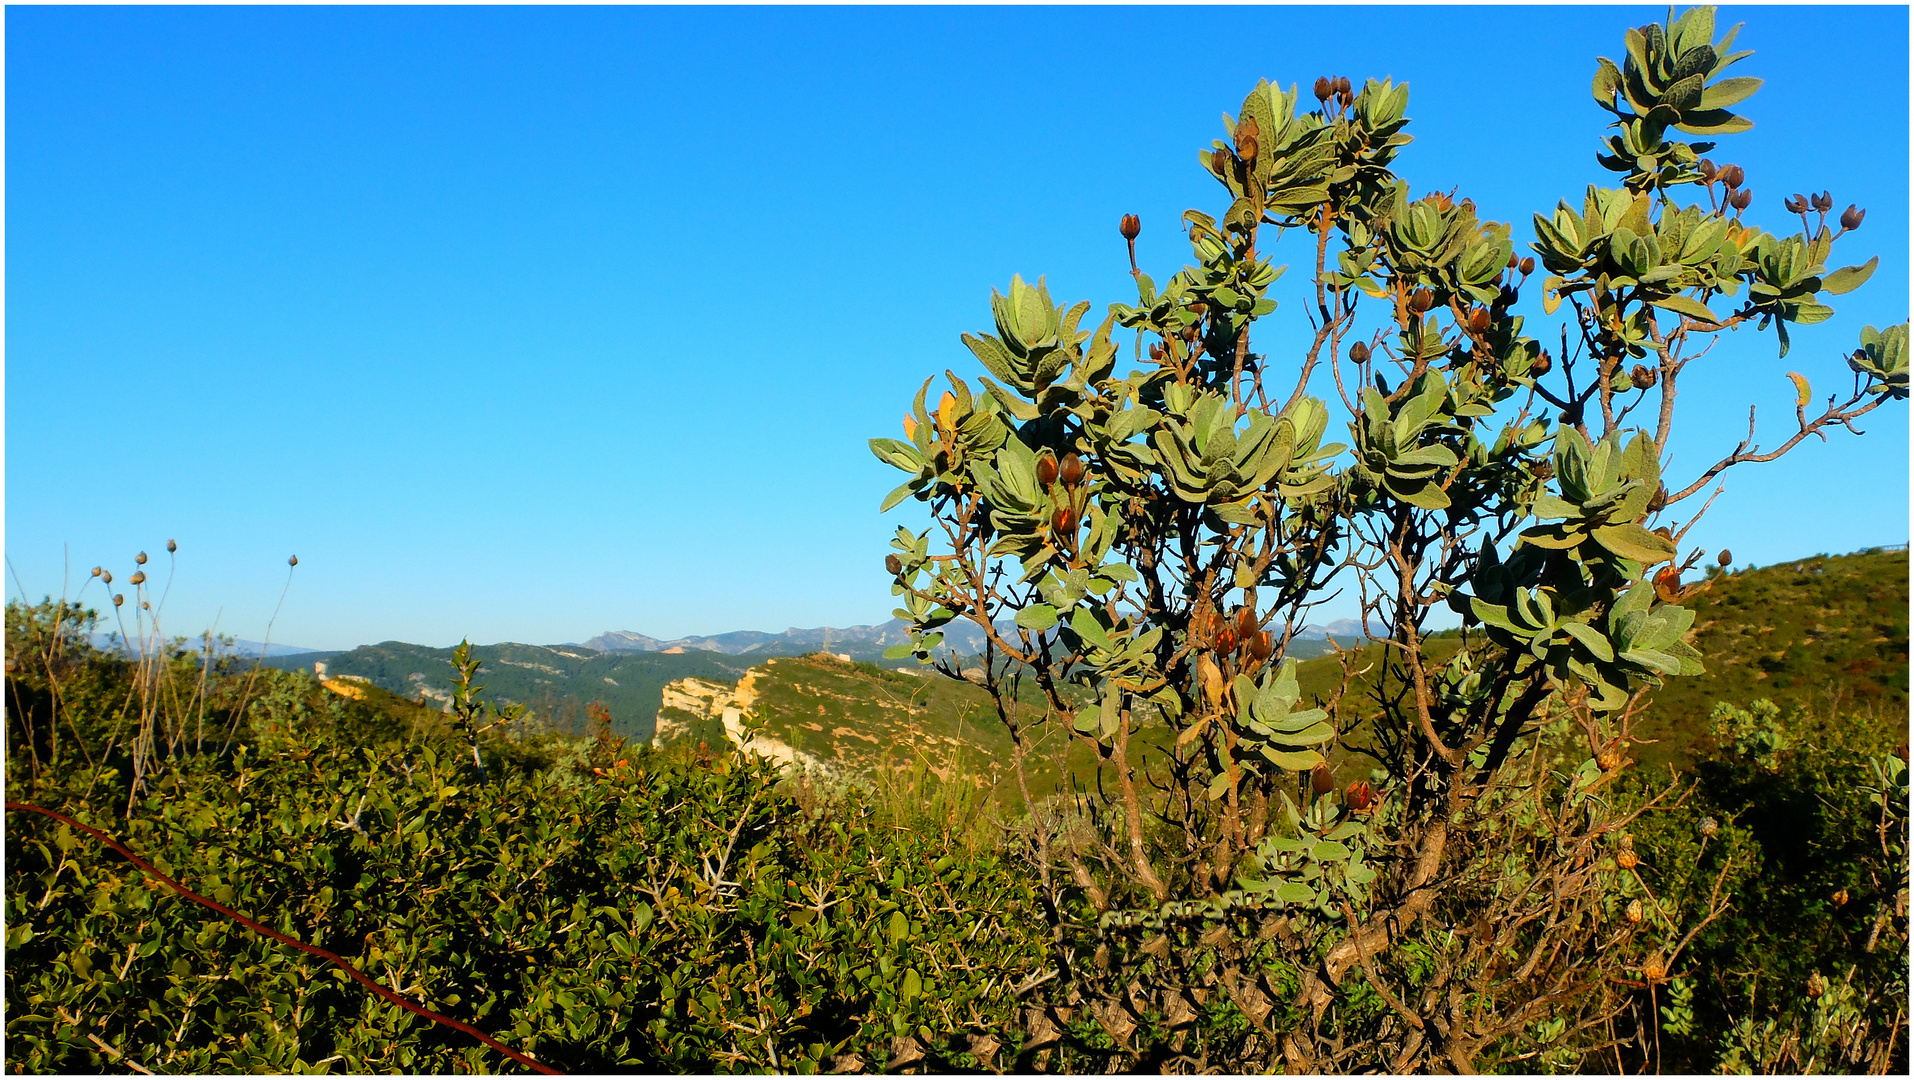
{"type": "Point", "coordinates": [1261, 646]}
{"type": "Point", "coordinates": [138, 578]}
{"type": "Point", "coordinates": [1226, 641]}
{"type": "Point", "coordinates": [1247, 623]}
{"type": "Point", "coordinates": [1131, 227]}
{"type": "Point", "coordinates": [1823, 202]}
{"type": "Point", "coordinates": [1725, 559]}
{"type": "Point", "coordinates": [1324, 88]}
{"type": "Point", "coordinates": [292, 560]}
{"type": "Point", "coordinates": [1732, 175]}
{"type": "Point", "coordinates": [1840, 897]}
{"type": "Point", "coordinates": [1852, 217]}
{"type": "Point", "coordinates": [1047, 469]}
{"type": "Point", "coordinates": [140, 558]}
{"type": "Point", "coordinates": [1709, 827]}
{"type": "Point", "coordinates": [106, 576]}
{"type": "Point", "coordinates": [1627, 842]}
{"type": "Point", "coordinates": [1794, 204]}
{"type": "Point", "coordinates": [1246, 147]}
{"type": "Point", "coordinates": [1741, 199]}
{"type": "Point", "coordinates": [1634, 912]}
{"type": "Point", "coordinates": [96, 571]}
{"type": "Point", "coordinates": [1220, 161]}
{"type": "Point", "coordinates": [1321, 780]}
{"type": "Point", "coordinates": [146, 605]}
{"type": "Point", "coordinates": [1514, 261]}
{"type": "Point", "coordinates": [1064, 522]}
{"type": "Point", "coordinates": [172, 546]}
{"type": "Point", "coordinates": [893, 564]}
{"type": "Point", "coordinates": [1543, 469]}
{"type": "Point", "coordinates": [1421, 300]}
{"type": "Point", "coordinates": [1655, 969]}
{"type": "Point", "coordinates": [118, 599]}
{"type": "Point", "coordinates": [1707, 170]}
{"type": "Point", "coordinates": [1627, 859]}
{"type": "Point", "coordinates": [1644, 377]}
{"type": "Point", "coordinates": [1541, 365]}
{"type": "Point", "coordinates": [1816, 985]}
{"type": "Point", "coordinates": [1528, 265]}
{"type": "Point", "coordinates": [1479, 320]}
{"type": "Point", "coordinates": [1360, 796]}
{"type": "Point", "coordinates": [1344, 88]}
{"type": "Point", "coordinates": [1359, 353]}
{"type": "Point", "coordinates": [1071, 471]}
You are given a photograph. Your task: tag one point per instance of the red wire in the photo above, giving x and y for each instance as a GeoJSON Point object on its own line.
{"type": "Point", "coordinates": [329, 957]}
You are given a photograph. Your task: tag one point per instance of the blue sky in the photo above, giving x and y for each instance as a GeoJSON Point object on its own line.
{"type": "Point", "coordinates": [526, 324]}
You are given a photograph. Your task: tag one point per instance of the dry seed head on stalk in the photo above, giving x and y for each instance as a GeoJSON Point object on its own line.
{"type": "Point", "coordinates": [96, 571]}
{"type": "Point", "coordinates": [106, 576]}
{"type": "Point", "coordinates": [1627, 859]}
{"type": "Point", "coordinates": [1634, 912]}
{"type": "Point", "coordinates": [118, 599]}
{"type": "Point", "coordinates": [1655, 969]}
{"type": "Point", "coordinates": [1816, 987]}
{"type": "Point", "coordinates": [138, 578]}
{"type": "Point", "coordinates": [1709, 827]}
{"type": "Point", "coordinates": [1840, 897]}
{"type": "Point", "coordinates": [172, 546]}
{"type": "Point", "coordinates": [293, 561]}
{"type": "Point", "coordinates": [140, 558]}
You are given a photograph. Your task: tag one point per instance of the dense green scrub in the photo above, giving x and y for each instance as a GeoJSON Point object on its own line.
{"type": "Point", "coordinates": [609, 908]}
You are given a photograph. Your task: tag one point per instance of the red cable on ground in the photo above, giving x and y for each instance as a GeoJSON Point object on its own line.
{"type": "Point", "coordinates": [329, 957]}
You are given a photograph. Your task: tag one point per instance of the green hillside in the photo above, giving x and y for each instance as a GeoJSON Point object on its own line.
{"type": "Point", "coordinates": [555, 683]}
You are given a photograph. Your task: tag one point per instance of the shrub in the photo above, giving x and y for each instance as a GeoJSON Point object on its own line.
{"type": "Point", "coordinates": [1431, 892]}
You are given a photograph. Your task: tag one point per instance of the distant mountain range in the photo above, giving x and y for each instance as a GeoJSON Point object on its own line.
{"type": "Point", "coordinates": [858, 642]}
{"type": "Point", "coordinates": [233, 647]}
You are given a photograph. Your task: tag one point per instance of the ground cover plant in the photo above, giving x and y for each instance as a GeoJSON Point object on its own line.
{"type": "Point", "coordinates": [1155, 537]}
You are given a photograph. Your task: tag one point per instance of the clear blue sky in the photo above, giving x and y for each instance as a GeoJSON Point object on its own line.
{"type": "Point", "coordinates": [527, 324]}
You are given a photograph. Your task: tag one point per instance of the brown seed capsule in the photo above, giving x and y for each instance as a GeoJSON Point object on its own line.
{"type": "Point", "coordinates": [893, 564]}
{"type": "Point", "coordinates": [1189, 333]}
{"type": "Point", "coordinates": [1543, 469]}
{"type": "Point", "coordinates": [140, 558]}
{"type": "Point", "coordinates": [1131, 226]}
{"type": "Point", "coordinates": [1840, 897]}
{"type": "Point", "coordinates": [1226, 641]}
{"type": "Point", "coordinates": [1816, 985]}
{"type": "Point", "coordinates": [1321, 780]}
{"type": "Point", "coordinates": [1709, 827]}
{"type": "Point", "coordinates": [1541, 365]}
{"type": "Point", "coordinates": [96, 571]}
{"type": "Point", "coordinates": [1823, 202]}
{"type": "Point", "coordinates": [106, 576]}
{"type": "Point", "coordinates": [1725, 559]}
{"type": "Point", "coordinates": [1609, 759]}
{"type": "Point", "coordinates": [1513, 261]}
{"type": "Point", "coordinates": [1655, 969]}
{"type": "Point", "coordinates": [1246, 147]}
{"type": "Point", "coordinates": [1643, 376]}
{"type": "Point", "coordinates": [146, 605]}
{"type": "Point", "coordinates": [1219, 161]}
{"type": "Point", "coordinates": [1479, 320]}
{"type": "Point", "coordinates": [1732, 175]}
{"type": "Point", "coordinates": [1528, 265]}
{"type": "Point", "coordinates": [1626, 859]}
{"type": "Point", "coordinates": [1046, 469]}
{"type": "Point", "coordinates": [172, 546]}
{"type": "Point", "coordinates": [1634, 912]}
{"type": "Point", "coordinates": [293, 561]}
{"type": "Point", "coordinates": [1707, 170]}
{"type": "Point", "coordinates": [1360, 796]}
{"type": "Point", "coordinates": [1324, 88]}
{"type": "Point", "coordinates": [1794, 204]}
{"type": "Point", "coordinates": [1064, 522]}
{"type": "Point", "coordinates": [1359, 353]}
{"type": "Point", "coordinates": [1343, 87]}
{"type": "Point", "coordinates": [1246, 128]}
{"type": "Point", "coordinates": [1852, 217]}
{"type": "Point", "coordinates": [1247, 623]}
{"type": "Point", "coordinates": [118, 599]}
{"type": "Point", "coordinates": [138, 578]}
{"type": "Point", "coordinates": [1741, 199]}
{"type": "Point", "coordinates": [1261, 646]}
{"type": "Point", "coordinates": [1421, 300]}
{"type": "Point", "coordinates": [1071, 471]}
